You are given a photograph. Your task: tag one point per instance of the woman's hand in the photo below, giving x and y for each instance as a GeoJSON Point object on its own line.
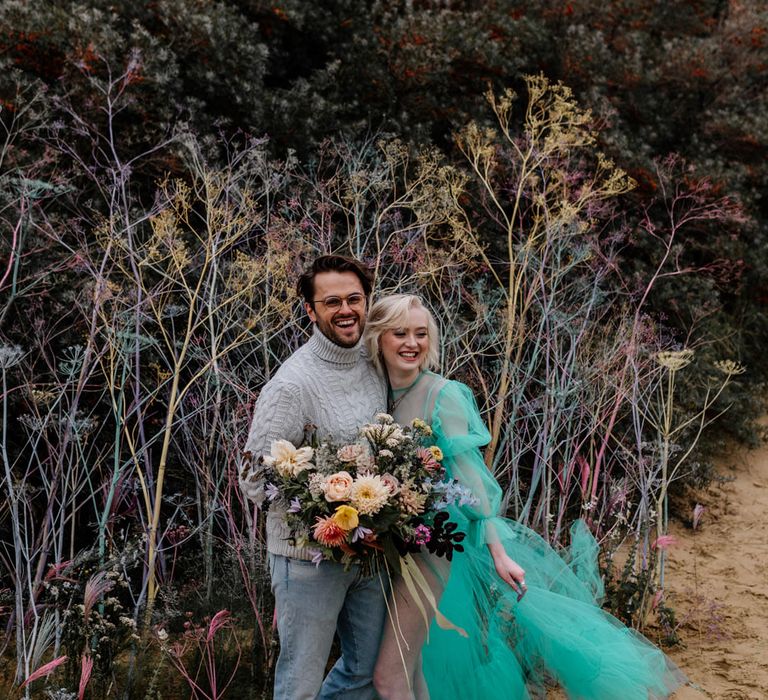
{"type": "Point", "coordinates": [508, 569]}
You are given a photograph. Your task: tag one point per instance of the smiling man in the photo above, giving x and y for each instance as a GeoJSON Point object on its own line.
{"type": "Point", "coordinates": [330, 384]}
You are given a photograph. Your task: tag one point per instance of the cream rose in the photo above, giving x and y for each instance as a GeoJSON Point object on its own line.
{"type": "Point", "coordinates": [337, 486]}
{"type": "Point", "coordinates": [391, 483]}
{"type": "Point", "coordinates": [350, 453]}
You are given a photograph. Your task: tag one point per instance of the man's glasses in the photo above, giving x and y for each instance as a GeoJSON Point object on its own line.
{"type": "Point", "coordinates": [354, 301]}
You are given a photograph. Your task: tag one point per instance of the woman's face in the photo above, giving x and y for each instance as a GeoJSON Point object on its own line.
{"type": "Point", "coordinates": [404, 349]}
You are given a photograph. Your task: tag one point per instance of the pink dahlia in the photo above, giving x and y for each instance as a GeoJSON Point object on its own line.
{"type": "Point", "coordinates": [427, 459]}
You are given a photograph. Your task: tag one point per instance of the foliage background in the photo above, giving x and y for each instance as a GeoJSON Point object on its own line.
{"type": "Point", "coordinates": [167, 168]}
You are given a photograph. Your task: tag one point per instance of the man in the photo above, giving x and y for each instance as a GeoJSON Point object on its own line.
{"type": "Point", "coordinates": [330, 384]}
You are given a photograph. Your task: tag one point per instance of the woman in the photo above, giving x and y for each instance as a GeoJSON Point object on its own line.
{"type": "Point", "coordinates": [527, 617]}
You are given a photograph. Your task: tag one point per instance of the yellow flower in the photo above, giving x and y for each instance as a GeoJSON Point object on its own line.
{"type": "Point", "coordinates": [437, 453]}
{"type": "Point", "coordinates": [346, 518]}
{"type": "Point", "coordinates": [421, 426]}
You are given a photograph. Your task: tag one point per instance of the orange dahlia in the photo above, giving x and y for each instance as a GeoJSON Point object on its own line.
{"type": "Point", "coordinates": [327, 532]}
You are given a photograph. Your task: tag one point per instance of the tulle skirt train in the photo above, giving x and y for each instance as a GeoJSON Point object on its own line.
{"type": "Point", "coordinates": [557, 634]}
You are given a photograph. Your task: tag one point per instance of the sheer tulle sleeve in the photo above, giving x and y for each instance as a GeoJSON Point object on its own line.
{"type": "Point", "coordinates": [460, 433]}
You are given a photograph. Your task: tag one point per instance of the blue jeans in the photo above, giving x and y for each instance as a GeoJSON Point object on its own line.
{"type": "Point", "coordinates": [312, 603]}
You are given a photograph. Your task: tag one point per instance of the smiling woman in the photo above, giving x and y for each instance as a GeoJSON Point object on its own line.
{"type": "Point", "coordinates": [403, 338]}
{"type": "Point", "coordinates": [404, 349]}
{"type": "Point", "coordinates": [527, 615]}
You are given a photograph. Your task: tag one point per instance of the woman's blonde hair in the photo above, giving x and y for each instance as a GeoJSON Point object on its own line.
{"type": "Point", "coordinates": [391, 312]}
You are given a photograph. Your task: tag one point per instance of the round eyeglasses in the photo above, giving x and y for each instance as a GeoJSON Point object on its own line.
{"type": "Point", "coordinates": [335, 303]}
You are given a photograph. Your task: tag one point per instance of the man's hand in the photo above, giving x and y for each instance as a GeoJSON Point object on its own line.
{"type": "Point", "coordinates": [250, 479]}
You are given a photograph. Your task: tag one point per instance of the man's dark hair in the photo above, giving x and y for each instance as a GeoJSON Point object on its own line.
{"type": "Point", "coordinates": [305, 287]}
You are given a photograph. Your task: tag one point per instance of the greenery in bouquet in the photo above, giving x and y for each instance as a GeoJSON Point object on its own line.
{"type": "Point", "coordinates": [385, 494]}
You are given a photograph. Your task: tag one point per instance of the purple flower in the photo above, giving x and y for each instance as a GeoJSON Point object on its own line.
{"type": "Point", "coordinates": [317, 556]}
{"type": "Point", "coordinates": [422, 534]}
{"type": "Point", "coordinates": [271, 491]}
{"type": "Point", "coordinates": [295, 506]}
{"type": "Point", "coordinates": [359, 533]}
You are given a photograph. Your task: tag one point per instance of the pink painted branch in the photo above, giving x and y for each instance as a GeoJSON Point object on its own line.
{"type": "Point", "coordinates": [238, 543]}
{"type": "Point", "coordinates": [206, 648]}
{"type": "Point", "coordinates": [698, 210]}
{"type": "Point", "coordinates": [86, 668]}
{"type": "Point", "coordinates": [44, 670]}
{"type": "Point", "coordinates": [608, 432]}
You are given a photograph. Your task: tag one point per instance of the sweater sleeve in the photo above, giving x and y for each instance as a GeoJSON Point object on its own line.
{"type": "Point", "coordinates": [276, 416]}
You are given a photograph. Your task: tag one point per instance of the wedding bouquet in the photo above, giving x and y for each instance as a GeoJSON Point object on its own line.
{"type": "Point", "coordinates": [383, 495]}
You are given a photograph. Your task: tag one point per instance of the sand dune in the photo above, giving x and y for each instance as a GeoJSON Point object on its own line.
{"type": "Point", "coordinates": [718, 585]}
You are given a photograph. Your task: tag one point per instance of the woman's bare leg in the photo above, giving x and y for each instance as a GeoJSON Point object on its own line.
{"type": "Point", "coordinates": [398, 673]}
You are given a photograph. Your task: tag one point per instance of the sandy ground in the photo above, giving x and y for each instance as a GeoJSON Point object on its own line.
{"type": "Point", "coordinates": [718, 585]}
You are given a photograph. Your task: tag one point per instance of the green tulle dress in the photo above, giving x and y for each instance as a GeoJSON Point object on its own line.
{"type": "Point", "coordinates": [557, 633]}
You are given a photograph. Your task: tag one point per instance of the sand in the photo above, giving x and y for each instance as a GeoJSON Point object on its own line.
{"type": "Point", "coordinates": [718, 585]}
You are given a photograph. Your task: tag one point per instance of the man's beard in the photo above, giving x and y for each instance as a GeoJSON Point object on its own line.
{"type": "Point", "coordinates": [330, 331]}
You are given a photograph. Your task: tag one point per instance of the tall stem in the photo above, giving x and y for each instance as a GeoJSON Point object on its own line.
{"type": "Point", "coordinates": [22, 664]}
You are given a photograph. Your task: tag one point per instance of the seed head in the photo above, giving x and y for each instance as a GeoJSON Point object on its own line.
{"type": "Point", "coordinates": [674, 360]}
{"type": "Point", "coordinates": [729, 367]}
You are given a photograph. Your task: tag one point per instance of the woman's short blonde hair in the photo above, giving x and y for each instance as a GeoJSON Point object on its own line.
{"type": "Point", "coordinates": [391, 312]}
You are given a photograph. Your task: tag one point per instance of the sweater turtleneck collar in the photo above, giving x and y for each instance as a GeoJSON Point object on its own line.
{"type": "Point", "coordinates": [327, 350]}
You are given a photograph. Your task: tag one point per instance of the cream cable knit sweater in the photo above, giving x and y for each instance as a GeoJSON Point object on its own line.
{"type": "Point", "coordinates": [334, 388]}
